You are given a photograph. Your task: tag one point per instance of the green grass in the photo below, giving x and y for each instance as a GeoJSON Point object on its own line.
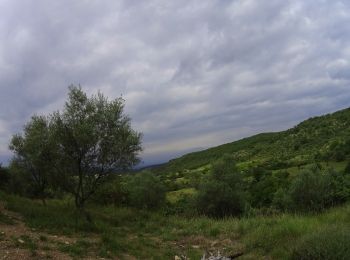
{"type": "Point", "coordinates": [175, 196]}
{"type": "Point", "coordinates": [328, 243]}
{"type": "Point", "coordinates": [181, 181]}
{"type": "Point", "coordinates": [143, 234]}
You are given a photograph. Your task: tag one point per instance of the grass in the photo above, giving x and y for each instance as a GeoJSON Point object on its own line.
{"type": "Point", "coordinates": [338, 166]}
{"type": "Point", "coordinates": [78, 249]}
{"type": "Point", "coordinates": [329, 243]}
{"type": "Point", "coordinates": [4, 219]}
{"type": "Point", "coordinates": [175, 196]}
{"type": "Point", "coordinates": [127, 232]}
{"type": "Point", "coordinates": [27, 242]}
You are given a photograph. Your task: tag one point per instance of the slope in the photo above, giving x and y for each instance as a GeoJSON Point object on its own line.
{"type": "Point", "coordinates": [323, 138]}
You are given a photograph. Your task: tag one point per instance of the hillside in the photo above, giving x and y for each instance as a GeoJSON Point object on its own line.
{"type": "Point", "coordinates": [323, 138]}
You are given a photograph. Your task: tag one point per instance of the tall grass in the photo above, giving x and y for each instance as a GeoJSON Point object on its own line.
{"type": "Point", "coordinates": [144, 234]}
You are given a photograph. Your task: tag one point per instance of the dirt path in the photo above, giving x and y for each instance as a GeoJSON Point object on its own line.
{"type": "Point", "coordinates": [18, 242]}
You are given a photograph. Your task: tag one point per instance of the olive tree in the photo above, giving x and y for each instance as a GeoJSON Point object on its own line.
{"type": "Point", "coordinates": [34, 153]}
{"type": "Point", "coordinates": [94, 138]}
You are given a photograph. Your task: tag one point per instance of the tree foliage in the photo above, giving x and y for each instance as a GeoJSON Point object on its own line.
{"type": "Point", "coordinates": [78, 147]}
{"type": "Point", "coordinates": [34, 153]}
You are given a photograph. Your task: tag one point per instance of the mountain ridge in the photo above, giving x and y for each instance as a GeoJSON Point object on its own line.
{"type": "Point", "coordinates": [319, 138]}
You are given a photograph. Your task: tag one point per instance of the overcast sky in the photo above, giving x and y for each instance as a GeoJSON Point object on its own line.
{"type": "Point", "coordinates": [194, 74]}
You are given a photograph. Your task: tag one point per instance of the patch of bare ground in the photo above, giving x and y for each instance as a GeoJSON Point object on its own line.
{"type": "Point", "coordinates": [19, 242]}
{"type": "Point", "coordinates": [206, 245]}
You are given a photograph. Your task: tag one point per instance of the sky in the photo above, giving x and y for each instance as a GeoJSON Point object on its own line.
{"type": "Point", "coordinates": [194, 73]}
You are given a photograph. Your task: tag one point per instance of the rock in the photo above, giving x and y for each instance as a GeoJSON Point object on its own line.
{"type": "Point", "coordinates": [177, 258]}
{"type": "Point", "coordinates": [20, 241]}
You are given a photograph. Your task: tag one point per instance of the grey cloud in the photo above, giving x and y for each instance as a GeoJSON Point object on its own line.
{"type": "Point", "coordinates": [193, 73]}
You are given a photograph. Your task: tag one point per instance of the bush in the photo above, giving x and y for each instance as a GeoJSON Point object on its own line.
{"type": "Point", "coordinates": [281, 200]}
{"type": "Point", "coordinates": [184, 206]}
{"type": "Point", "coordinates": [338, 187]}
{"type": "Point", "coordinates": [308, 191]}
{"type": "Point", "coordinates": [112, 192]}
{"type": "Point", "coordinates": [19, 182]}
{"type": "Point", "coordinates": [347, 168]}
{"type": "Point", "coordinates": [261, 187]}
{"type": "Point", "coordinates": [4, 177]}
{"type": "Point", "coordinates": [326, 244]}
{"type": "Point", "coordinates": [145, 191]}
{"type": "Point", "coordinates": [221, 194]}
{"type": "Point", "coordinates": [315, 189]}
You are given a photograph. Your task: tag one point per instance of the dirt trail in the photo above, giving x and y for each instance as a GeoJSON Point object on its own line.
{"type": "Point", "coordinates": [19, 242]}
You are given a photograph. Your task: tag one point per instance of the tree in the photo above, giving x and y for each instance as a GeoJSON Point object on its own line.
{"type": "Point", "coordinates": [34, 153]}
{"type": "Point", "coordinates": [94, 139]}
{"type": "Point", "coordinates": [221, 194]}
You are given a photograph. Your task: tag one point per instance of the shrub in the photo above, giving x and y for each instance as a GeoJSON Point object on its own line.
{"type": "Point", "coordinates": [338, 187]}
{"type": "Point", "coordinates": [145, 191]}
{"type": "Point", "coordinates": [184, 206]}
{"type": "Point", "coordinates": [112, 192]}
{"type": "Point", "coordinates": [19, 181]}
{"type": "Point", "coordinates": [4, 177]}
{"type": "Point", "coordinates": [347, 168]}
{"type": "Point", "coordinates": [308, 191]}
{"type": "Point", "coordinates": [221, 194]}
{"type": "Point", "coordinates": [326, 244]}
{"type": "Point", "coordinates": [261, 187]}
{"type": "Point", "coordinates": [281, 200]}
{"type": "Point", "coordinates": [315, 189]}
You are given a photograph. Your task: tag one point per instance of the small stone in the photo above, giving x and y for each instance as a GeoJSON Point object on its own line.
{"type": "Point", "coordinates": [20, 241]}
{"type": "Point", "coordinates": [195, 246]}
{"type": "Point", "coordinates": [177, 258]}
{"type": "Point", "coordinates": [66, 242]}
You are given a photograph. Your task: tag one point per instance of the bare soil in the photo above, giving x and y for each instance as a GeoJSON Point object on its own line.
{"type": "Point", "coordinates": [19, 242]}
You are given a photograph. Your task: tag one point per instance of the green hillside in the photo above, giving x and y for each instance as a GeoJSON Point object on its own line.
{"type": "Point", "coordinates": [323, 138]}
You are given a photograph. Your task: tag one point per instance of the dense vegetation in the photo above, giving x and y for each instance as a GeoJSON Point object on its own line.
{"type": "Point", "coordinates": [303, 169]}
{"type": "Point", "coordinates": [285, 189]}
{"type": "Point", "coordinates": [324, 138]}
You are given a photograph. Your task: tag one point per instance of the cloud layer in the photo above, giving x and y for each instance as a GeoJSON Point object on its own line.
{"type": "Point", "coordinates": [194, 73]}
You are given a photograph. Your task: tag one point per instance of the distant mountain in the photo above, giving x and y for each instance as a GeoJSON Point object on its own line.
{"type": "Point", "coordinates": [323, 138]}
